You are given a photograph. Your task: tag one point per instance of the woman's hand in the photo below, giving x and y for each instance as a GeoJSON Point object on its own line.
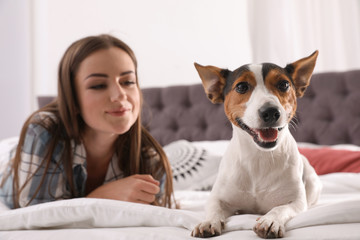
{"type": "Point", "coordinates": [135, 188]}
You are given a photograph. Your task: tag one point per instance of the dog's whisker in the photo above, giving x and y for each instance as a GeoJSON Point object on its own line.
{"type": "Point", "coordinates": [295, 120]}
{"type": "Point", "coordinates": [293, 124]}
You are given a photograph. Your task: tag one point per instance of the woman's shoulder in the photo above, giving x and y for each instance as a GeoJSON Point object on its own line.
{"type": "Point", "coordinates": [42, 121]}
{"type": "Point", "coordinates": [40, 126]}
{"type": "Point", "coordinates": [39, 133]}
{"type": "Point", "coordinates": [43, 116]}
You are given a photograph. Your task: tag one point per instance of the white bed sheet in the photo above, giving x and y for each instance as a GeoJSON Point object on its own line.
{"type": "Point", "coordinates": [336, 216]}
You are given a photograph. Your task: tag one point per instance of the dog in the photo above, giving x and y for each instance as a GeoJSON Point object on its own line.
{"type": "Point", "coordinates": [262, 171]}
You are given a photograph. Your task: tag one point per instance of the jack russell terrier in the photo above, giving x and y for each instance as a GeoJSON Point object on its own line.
{"type": "Point", "coordinates": [262, 171]}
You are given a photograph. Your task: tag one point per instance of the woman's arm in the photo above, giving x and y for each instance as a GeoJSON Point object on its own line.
{"type": "Point", "coordinates": [136, 188]}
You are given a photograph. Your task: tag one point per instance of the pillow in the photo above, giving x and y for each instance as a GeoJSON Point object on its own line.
{"type": "Point", "coordinates": [7, 151]}
{"type": "Point", "coordinates": [8, 144]}
{"type": "Point", "coordinates": [328, 160]}
{"type": "Point", "coordinates": [193, 167]}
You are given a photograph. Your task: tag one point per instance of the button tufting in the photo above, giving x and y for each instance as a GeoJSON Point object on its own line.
{"type": "Point", "coordinates": [203, 125]}
{"type": "Point", "coordinates": [174, 126]}
{"type": "Point", "coordinates": [187, 103]}
{"type": "Point", "coordinates": [160, 106]}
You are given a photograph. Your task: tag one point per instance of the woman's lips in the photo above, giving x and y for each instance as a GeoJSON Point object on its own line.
{"type": "Point", "coordinates": [118, 112]}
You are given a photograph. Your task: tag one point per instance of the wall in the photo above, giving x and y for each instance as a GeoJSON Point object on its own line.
{"type": "Point", "coordinates": [15, 66]}
{"type": "Point", "coordinates": [166, 35]}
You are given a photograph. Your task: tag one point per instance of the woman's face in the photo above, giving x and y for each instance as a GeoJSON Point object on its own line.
{"type": "Point", "coordinates": [108, 95]}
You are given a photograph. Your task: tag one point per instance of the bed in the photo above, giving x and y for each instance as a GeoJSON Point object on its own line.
{"type": "Point", "coordinates": [195, 134]}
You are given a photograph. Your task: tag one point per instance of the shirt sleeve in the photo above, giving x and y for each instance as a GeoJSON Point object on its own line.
{"type": "Point", "coordinates": [40, 184]}
{"type": "Point", "coordinates": [162, 187]}
{"type": "Point", "coordinates": [155, 169]}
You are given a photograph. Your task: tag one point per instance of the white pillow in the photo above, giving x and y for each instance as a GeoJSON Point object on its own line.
{"type": "Point", "coordinates": [6, 153]}
{"type": "Point", "coordinates": [194, 167]}
{"type": "Point", "coordinates": [217, 147]}
{"type": "Point", "coordinates": [7, 144]}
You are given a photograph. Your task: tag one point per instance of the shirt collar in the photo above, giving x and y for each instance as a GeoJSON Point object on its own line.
{"type": "Point", "coordinates": [113, 171]}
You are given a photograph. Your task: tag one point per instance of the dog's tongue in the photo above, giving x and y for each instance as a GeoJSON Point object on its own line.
{"type": "Point", "coordinates": [268, 134]}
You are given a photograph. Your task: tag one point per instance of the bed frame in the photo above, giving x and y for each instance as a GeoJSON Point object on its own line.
{"type": "Point", "coordinates": [328, 114]}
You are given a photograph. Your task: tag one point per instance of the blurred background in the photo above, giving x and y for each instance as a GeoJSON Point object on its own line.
{"type": "Point", "coordinates": [167, 36]}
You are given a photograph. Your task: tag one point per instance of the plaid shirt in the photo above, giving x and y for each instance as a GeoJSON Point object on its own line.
{"type": "Point", "coordinates": [54, 187]}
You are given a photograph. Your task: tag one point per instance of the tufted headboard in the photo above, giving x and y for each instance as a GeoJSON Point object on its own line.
{"type": "Point", "coordinates": [328, 114]}
{"type": "Point", "coordinates": [183, 112]}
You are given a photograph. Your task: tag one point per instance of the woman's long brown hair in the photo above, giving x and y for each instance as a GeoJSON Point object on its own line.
{"type": "Point", "coordinates": [131, 147]}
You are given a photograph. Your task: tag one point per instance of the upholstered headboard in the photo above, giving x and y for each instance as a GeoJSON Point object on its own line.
{"type": "Point", "coordinates": [329, 112]}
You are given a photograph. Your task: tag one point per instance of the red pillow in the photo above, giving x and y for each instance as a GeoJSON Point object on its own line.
{"type": "Point", "coordinates": [326, 160]}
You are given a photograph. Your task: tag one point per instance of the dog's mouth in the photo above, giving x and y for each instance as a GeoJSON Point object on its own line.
{"type": "Point", "coordinates": [264, 137]}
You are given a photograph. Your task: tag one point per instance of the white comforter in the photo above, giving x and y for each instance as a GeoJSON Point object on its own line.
{"type": "Point", "coordinates": [336, 216]}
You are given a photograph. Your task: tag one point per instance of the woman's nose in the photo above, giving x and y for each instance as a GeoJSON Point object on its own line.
{"type": "Point", "coordinates": [117, 92]}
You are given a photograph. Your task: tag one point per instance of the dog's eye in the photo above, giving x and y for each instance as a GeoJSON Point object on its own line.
{"type": "Point", "coordinates": [242, 87]}
{"type": "Point", "coordinates": [283, 85]}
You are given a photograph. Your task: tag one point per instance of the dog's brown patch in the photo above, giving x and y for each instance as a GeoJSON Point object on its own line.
{"type": "Point", "coordinates": [287, 99]}
{"type": "Point", "coordinates": [213, 82]}
{"type": "Point", "coordinates": [301, 72]}
{"type": "Point", "coordinates": [235, 103]}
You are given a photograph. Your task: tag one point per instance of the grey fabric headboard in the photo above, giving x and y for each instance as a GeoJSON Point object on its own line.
{"type": "Point", "coordinates": [329, 112]}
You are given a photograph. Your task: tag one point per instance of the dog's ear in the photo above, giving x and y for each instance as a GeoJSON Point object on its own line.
{"type": "Point", "coordinates": [301, 72]}
{"type": "Point", "coordinates": [213, 80]}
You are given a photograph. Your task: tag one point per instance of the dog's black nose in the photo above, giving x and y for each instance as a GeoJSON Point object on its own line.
{"type": "Point", "coordinates": [269, 114]}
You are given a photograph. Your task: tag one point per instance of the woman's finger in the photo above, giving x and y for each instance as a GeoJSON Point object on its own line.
{"type": "Point", "coordinates": [145, 197]}
{"type": "Point", "coordinates": [147, 177]}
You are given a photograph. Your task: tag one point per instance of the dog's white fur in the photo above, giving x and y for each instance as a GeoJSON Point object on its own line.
{"type": "Point", "coordinates": [277, 182]}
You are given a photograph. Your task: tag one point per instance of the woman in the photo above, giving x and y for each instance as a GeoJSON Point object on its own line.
{"type": "Point", "coordinates": [89, 142]}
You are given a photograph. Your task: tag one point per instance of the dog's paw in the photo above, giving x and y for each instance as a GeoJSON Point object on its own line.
{"type": "Point", "coordinates": [208, 229]}
{"type": "Point", "coordinates": [267, 227]}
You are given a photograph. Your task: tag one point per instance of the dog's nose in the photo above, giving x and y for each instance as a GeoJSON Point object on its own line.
{"type": "Point", "coordinates": [269, 114]}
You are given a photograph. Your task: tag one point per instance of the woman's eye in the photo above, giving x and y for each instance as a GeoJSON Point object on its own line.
{"type": "Point", "coordinates": [128, 82]}
{"type": "Point", "coordinates": [98, 86]}
{"type": "Point", "coordinates": [242, 87]}
{"type": "Point", "coordinates": [283, 85]}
